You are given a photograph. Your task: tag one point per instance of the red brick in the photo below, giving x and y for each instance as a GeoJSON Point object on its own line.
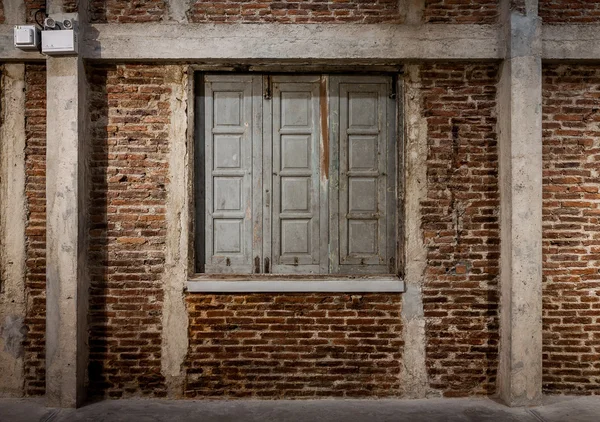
{"type": "Point", "coordinates": [571, 273]}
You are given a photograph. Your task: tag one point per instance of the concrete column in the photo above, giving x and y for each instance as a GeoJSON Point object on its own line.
{"type": "Point", "coordinates": [175, 317]}
{"type": "Point", "coordinates": [67, 281]}
{"type": "Point", "coordinates": [413, 375]}
{"type": "Point", "coordinates": [12, 230]}
{"type": "Point", "coordinates": [412, 10]}
{"type": "Point", "coordinates": [12, 218]}
{"type": "Point", "coordinates": [520, 142]}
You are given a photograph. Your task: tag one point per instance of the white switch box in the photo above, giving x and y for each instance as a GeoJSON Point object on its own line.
{"type": "Point", "coordinates": [26, 37]}
{"type": "Point", "coordinates": [62, 41]}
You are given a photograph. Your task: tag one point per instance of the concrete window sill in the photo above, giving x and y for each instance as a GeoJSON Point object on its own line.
{"type": "Point", "coordinates": [279, 283]}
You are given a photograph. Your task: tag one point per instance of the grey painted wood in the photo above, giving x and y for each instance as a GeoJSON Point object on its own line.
{"type": "Point", "coordinates": [364, 188]}
{"type": "Point", "coordinates": [228, 159]}
{"type": "Point", "coordinates": [295, 165]}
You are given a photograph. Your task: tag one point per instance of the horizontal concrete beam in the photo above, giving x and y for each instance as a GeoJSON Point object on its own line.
{"type": "Point", "coordinates": [571, 42]}
{"type": "Point", "coordinates": [351, 42]}
{"type": "Point", "coordinates": [276, 41]}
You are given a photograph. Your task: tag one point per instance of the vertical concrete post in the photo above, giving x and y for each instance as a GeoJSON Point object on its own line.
{"type": "Point", "coordinates": [66, 276]}
{"type": "Point", "coordinates": [12, 230]}
{"type": "Point", "coordinates": [12, 218]}
{"type": "Point", "coordinates": [520, 142]}
{"type": "Point", "coordinates": [67, 280]}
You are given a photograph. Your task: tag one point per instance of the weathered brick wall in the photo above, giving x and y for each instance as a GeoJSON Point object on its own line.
{"type": "Point", "coordinates": [571, 227]}
{"type": "Point", "coordinates": [294, 345]}
{"type": "Point", "coordinates": [2, 17]}
{"type": "Point", "coordinates": [461, 228]}
{"type": "Point", "coordinates": [284, 11]}
{"type": "Point", "coordinates": [129, 122]}
{"type": "Point", "coordinates": [461, 11]}
{"type": "Point", "coordinates": [35, 229]}
{"type": "Point", "coordinates": [569, 11]}
{"type": "Point", "coordinates": [127, 11]}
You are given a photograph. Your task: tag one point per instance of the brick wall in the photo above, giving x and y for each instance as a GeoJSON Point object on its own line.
{"type": "Point", "coordinates": [460, 228]}
{"type": "Point", "coordinates": [571, 217]}
{"type": "Point", "coordinates": [461, 11]}
{"type": "Point", "coordinates": [294, 345]}
{"type": "Point", "coordinates": [35, 229]}
{"type": "Point", "coordinates": [2, 17]}
{"type": "Point", "coordinates": [129, 123]}
{"type": "Point", "coordinates": [127, 11]}
{"type": "Point", "coordinates": [284, 11]}
{"type": "Point", "coordinates": [569, 11]}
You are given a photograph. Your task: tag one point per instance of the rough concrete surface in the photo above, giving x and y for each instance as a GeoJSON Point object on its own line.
{"type": "Point", "coordinates": [554, 409]}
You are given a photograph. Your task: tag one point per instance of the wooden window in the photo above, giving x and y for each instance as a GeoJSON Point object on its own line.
{"type": "Point", "coordinates": [296, 174]}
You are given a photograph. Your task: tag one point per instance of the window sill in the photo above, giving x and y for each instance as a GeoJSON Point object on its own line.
{"type": "Point", "coordinates": [281, 283]}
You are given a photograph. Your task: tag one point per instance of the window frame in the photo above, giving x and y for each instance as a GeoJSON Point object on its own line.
{"type": "Point", "coordinates": [334, 282]}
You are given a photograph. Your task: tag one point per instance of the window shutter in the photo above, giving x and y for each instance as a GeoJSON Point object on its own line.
{"type": "Point", "coordinates": [365, 175]}
{"type": "Point", "coordinates": [296, 226]}
{"type": "Point", "coordinates": [229, 173]}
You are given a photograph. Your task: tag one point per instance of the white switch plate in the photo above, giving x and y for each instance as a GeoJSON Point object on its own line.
{"type": "Point", "coordinates": [62, 41]}
{"type": "Point", "coordinates": [26, 37]}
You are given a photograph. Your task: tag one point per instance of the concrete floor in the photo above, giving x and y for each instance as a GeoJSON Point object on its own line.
{"type": "Point", "coordinates": [554, 409]}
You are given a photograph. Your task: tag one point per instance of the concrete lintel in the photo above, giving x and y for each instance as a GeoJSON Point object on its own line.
{"type": "Point", "coordinates": [308, 41]}
{"type": "Point", "coordinates": [66, 276]}
{"type": "Point", "coordinates": [520, 142]}
{"type": "Point", "coordinates": [571, 42]}
{"type": "Point", "coordinates": [12, 230]}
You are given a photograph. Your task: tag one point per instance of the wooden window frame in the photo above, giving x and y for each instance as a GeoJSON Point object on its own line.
{"type": "Point", "coordinates": [335, 282]}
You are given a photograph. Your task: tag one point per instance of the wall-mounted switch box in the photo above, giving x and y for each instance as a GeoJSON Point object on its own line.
{"type": "Point", "coordinates": [62, 41]}
{"type": "Point", "coordinates": [27, 37]}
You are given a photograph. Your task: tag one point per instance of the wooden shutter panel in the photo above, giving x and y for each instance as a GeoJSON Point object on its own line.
{"type": "Point", "coordinates": [363, 204]}
{"type": "Point", "coordinates": [230, 130]}
{"type": "Point", "coordinates": [298, 234]}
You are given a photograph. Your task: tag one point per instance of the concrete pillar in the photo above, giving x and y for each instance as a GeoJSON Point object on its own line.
{"type": "Point", "coordinates": [520, 142]}
{"type": "Point", "coordinates": [412, 10]}
{"type": "Point", "coordinates": [12, 230]}
{"type": "Point", "coordinates": [67, 281]}
{"type": "Point", "coordinates": [414, 370]}
{"type": "Point", "coordinates": [12, 218]}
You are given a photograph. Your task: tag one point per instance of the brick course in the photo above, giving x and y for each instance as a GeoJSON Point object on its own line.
{"type": "Point", "coordinates": [294, 346]}
{"type": "Point", "coordinates": [571, 217]}
{"type": "Point", "coordinates": [129, 122]}
{"type": "Point", "coordinates": [569, 11]}
{"type": "Point", "coordinates": [35, 229]}
{"type": "Point", "coordinates": [461, 11]}
{"type": "Point", "coordinates": [460, 228]}
{"type": "Point", "coordinates": [284, 11]}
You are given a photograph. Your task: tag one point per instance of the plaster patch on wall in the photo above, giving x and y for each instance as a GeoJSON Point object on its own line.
{"type": "Point", "coordinates": [12, 333]}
